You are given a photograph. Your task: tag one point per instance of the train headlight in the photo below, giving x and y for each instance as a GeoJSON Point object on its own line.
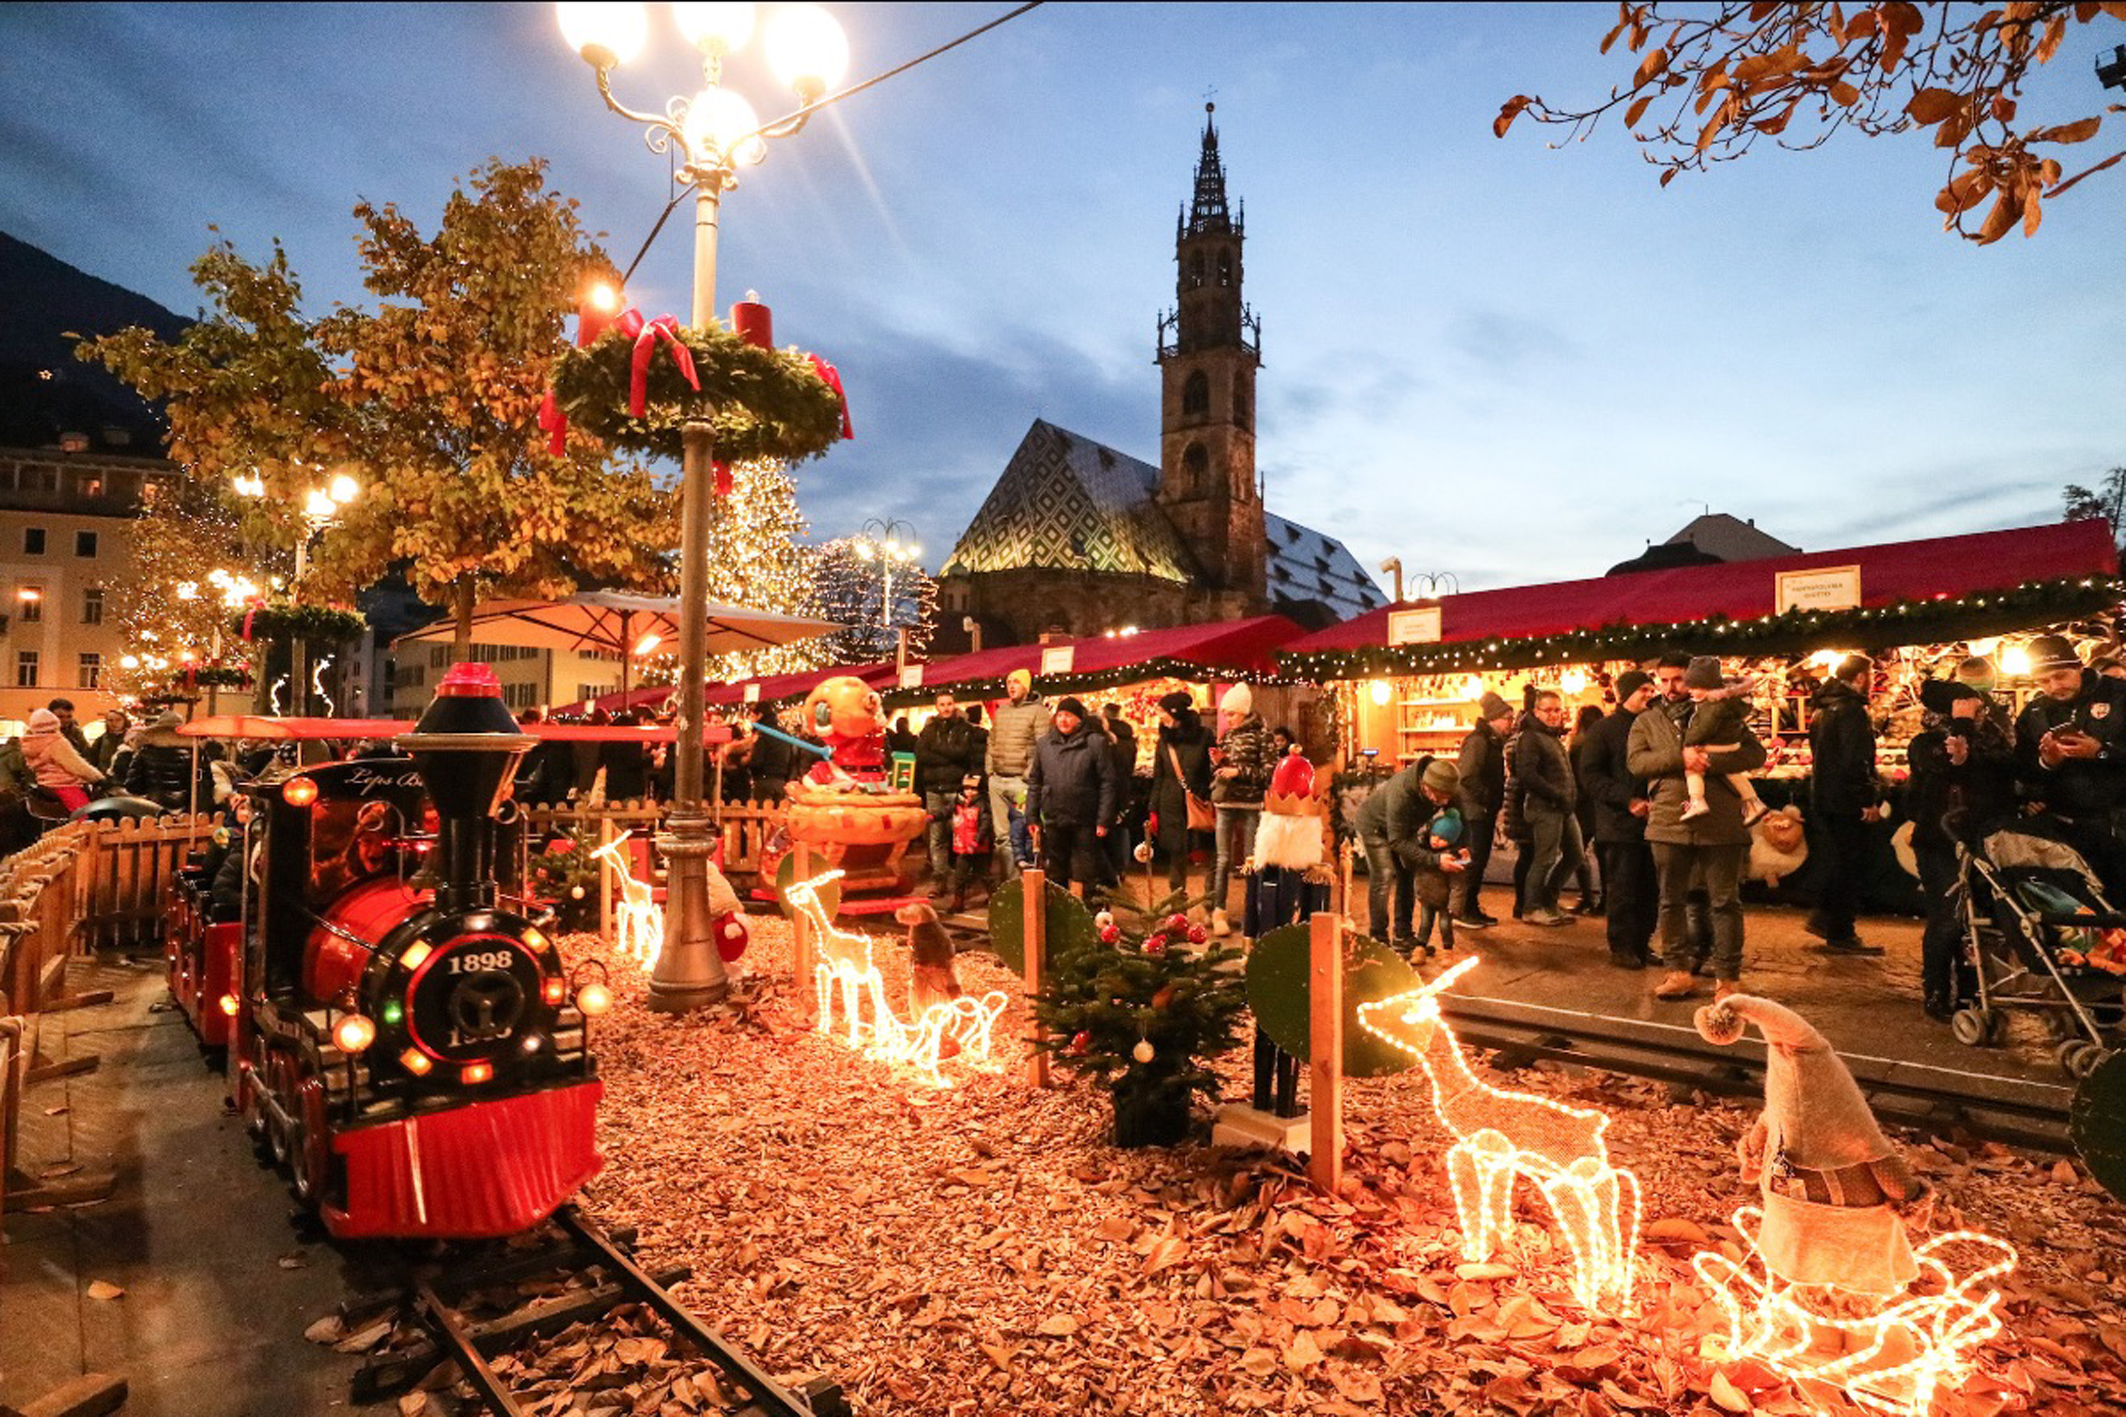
{"type": "Point", "coordinates": [475, 1073]}
{"type": "Point", "coordinates": [353, 1033]}
{"type": "Point", "coordinates": [594, 999]}
{"type": "Point", "coordinates": [299, 791]}
{"type": "Point", "coordinates": [533, 938]}
{"type": "Point", "coordinates": [554, 990]}
{"type": "Point", "coordinates": [229, 1005]}
{"type": "Point", "coordinates": [414, 1061]}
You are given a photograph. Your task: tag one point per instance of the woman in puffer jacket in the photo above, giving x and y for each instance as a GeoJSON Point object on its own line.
{"type": "Point", "coordinates": [59, 769]}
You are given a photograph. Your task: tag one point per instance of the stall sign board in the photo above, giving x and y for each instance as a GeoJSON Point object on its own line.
{"type": "Point", "coordinates": [1419, 626]}
{"type": "Point", "coordinates": [911, 676]}
{"type": "Point", "coordinates": [1057, 659]}
{"type": "Point", "coordinates": [751, 694]}
{"type": "Point", "coordinates": [1818, 588]}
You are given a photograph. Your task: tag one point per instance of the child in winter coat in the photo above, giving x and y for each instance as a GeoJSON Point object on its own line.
{"type": "Point", "coordinates": [1716, 725]}
{"type": "Point", "coordinates": [970, 839]}
{"type": "Point", "coordinates": [1443, 835]}
{"type": "Point", "coordinates": [59, 769]}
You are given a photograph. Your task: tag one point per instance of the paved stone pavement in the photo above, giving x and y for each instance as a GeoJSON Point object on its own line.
{"type": "Point", "coordinates": [211, 1322]}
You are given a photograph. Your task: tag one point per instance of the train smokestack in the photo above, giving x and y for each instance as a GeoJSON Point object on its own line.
{"type": "Point", "coordinates": [465, 747]}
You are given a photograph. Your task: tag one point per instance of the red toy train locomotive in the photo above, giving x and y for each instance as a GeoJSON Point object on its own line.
{"type": "Point", "coordinates": [416, 1059]}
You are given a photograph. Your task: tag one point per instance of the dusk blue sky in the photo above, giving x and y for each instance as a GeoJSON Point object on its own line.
{"type": "Point", "coordinates": [1489, 357]}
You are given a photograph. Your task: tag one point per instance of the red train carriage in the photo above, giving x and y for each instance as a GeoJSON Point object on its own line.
{"type": "Point", "coordinates": [409, 1048]}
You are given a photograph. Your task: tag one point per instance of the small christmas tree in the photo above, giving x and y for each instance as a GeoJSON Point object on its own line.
{"type": "Point", "coordinates": [1144, 1010]}
{"type": "Point", "coordinates": [565, 873]}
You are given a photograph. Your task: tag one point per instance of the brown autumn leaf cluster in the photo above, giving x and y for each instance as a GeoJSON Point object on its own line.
{"type": "Point", "coordinates": [1746, 69]}
{"type": "Point", "coordinates": [982, 1249]}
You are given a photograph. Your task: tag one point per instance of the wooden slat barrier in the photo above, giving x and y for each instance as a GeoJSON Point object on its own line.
{"type": "Point", "coordinates": [744, 830]}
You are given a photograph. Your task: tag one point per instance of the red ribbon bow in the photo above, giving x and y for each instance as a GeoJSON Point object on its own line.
{"type": "Point", "coordinates": [638, 387]}
{"type": "Point", "coordinates": [833, 380]}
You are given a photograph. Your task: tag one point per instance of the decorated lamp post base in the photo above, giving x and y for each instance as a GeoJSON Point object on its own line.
{"type": "Point", "coordinates": [689, 972]}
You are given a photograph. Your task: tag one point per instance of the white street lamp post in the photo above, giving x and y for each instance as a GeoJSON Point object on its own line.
{"type": "Point", "coordinates": [715, 132]}
{"type": "Point", "coordinates": [320, 506]}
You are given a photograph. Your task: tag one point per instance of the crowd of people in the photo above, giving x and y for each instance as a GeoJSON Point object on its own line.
{"type": "Point", "coordinates": [54, 768]}
{"type": "Point", "coordinates": [1659, 785]}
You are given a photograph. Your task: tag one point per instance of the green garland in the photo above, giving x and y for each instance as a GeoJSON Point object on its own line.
{"type": "Point", "coordinates": [762, 403]}
{"type": "Point", "coordinates": [1076, 682]}
{"type": "Point", "coordinates": [1982, 613]}
{"type": "Point", "coordinates": [286, 620]}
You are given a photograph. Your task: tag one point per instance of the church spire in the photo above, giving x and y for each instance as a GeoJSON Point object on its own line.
{"type": "Point", "coordinates": [1208, 213]}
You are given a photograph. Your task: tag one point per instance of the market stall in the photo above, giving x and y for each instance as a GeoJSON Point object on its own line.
{"type": "Point", "coordinates": [1408, 674]}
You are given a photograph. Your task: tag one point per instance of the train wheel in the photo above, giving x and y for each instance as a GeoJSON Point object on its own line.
{"type": "Point", "coordinates": [306, 1147]}
{"type": "Point", "coordinates": [1971, 1026]}
{"type": "Point", "coordinates": [2085, 1059]}
{"type": "Point", "coordinates": [282, 1079]}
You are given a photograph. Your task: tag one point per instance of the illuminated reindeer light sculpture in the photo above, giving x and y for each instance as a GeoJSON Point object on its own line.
{"type": "Point", "coordinates": [847, 973]}
{"type": "Point", "coordinates": [638, 925]}
{"type": "Point", "coordinates": [1502, 1135]}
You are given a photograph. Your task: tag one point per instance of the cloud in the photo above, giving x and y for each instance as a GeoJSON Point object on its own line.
{"type": "Point", "coordinates": [1500, 342]}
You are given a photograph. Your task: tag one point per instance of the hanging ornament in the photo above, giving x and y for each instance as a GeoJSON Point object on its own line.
{"type": "Point", "coordinates": [1079, 1042]}
{"type": "Point", "coordinates": [1110, 935]}
{"type": "Point", "coordinates": [1156, 945]}
{"type": "Point", "coordinates": [1143, 1052]}
{"type": "Point", "coordinates": [1104, 919]}
{"type": "Point", "coordinates": [1197, 934]}
{"type": "Point", "coordinates": [1177, 924]}
{"type": "Point", "coordinates": [575, 892]}
{"type": "Point", "coordinates": [1164, 997]}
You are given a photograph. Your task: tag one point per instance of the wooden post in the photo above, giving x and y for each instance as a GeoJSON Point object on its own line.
{"type": "Point", "coordinates": [1034, 882]}
{"type": "Point", "coordinates": [801, 946]}
{"type": "Point", "coordinates": [605, 877]}
{"type": "Point", "coordinates": [1325, 1036]}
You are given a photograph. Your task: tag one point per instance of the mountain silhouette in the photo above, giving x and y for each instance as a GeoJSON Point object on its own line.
{"type": "Point", "coordinates": [46, 393]}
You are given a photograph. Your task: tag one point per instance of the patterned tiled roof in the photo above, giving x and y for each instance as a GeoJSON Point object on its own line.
{"type": "Point", "coordinates": [1306, 565]}
{"type": "Point", "coordinates": [1068, 503]}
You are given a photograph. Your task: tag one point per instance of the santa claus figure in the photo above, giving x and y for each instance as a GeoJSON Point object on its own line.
{"type": "Point", "coordinates": [1290, 834]}
{"type": "Point", "coordinates": [1836, 1193]}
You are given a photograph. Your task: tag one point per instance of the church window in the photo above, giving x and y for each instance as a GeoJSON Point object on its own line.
{"type": "Point", "coordinates": [1241, 413]}
{"type": "Point", "coordinates": [1225, 267]}
{"type": "Point", "coordinates": [1196, 395]}
{"type": "Point", "coordinates": [1195, 469]}
{"type": "Point", "coordinates": [1195, 270]}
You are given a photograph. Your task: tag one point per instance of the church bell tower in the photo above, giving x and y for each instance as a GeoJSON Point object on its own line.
{"type": "Point", "coordinates": [1209, 350]}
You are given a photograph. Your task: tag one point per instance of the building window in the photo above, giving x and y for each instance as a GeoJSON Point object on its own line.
{"type": "Point", "coordinates": [33, 541]}
{"type": "Point", "coordinates": [29, 603]}
{"type": "Point", "coordinates": [1225, 267]}
{"type": "Point", "coordinates": [438, 656]}
{"type": "Point", "coordinates": [91, 671]}
{"type": "Point", "coordinates": [586, 692]}
{"type": "Point", "coordinates": [45, 478]}
{"type": "Point", "coordinates": [1196, 395]}
{"type": "Point", "coordinates": [520, 696]}
{"type": "Point", "coordinates": [1195, 470]}
{"type": "Point", "coordinates": [84, 543]}
{"type": "Point", "coordinates": [92, 606]}
{"type": "Point", "coordinates": [410, 676]}
{"type": "Point", "coordinates": [1240, 396]}
{"type": "Point", "coordinates": [25, 669]}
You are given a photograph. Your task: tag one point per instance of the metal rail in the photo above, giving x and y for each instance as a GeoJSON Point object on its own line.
{"type": "Point", "coordinates": [584, 1245]}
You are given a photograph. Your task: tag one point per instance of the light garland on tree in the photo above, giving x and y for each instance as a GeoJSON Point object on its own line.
{"type": "Point", "coordinates": [761, 563]}
{"type": "Point", "coordinates": [1917, 1346]}
{"type": "Point", "coordinates": [847, 972]}
{"type": "Point", "coordinates": [851, 589]}
{"type": "Point", "coordinates": [1502, 1135]}
{"type": "Point", "coordinates": [173, 619]}
{"type": "Point", "coordinates": [1989, 612]}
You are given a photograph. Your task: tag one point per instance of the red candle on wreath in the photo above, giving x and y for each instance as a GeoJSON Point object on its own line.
{"type": "Point", "coordinates": [751, 322]}
{"type": "Point", "coordinates": [594, 312]}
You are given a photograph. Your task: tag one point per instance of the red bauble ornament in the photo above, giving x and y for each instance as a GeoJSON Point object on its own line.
{"type": "Point", "coordinates": [1156, 945]}
{"type": "Point", "coordinates": [1110, 935]}
{"type": "Point", "coordinates": [1177, 924]}
{"type": "Point", "coordinates": [1197, 934]}
{"type": "Point", "coordinates": [1079, 1042]}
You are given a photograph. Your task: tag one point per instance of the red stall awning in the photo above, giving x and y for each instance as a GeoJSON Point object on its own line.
{"type": "Point", "coordinates": [1913, 589]}
{"type": "Point", "coordinates": [1231, 649]}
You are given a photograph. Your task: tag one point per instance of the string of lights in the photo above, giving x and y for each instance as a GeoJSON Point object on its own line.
{"type": "Point", "coordinates": [1990, 612]}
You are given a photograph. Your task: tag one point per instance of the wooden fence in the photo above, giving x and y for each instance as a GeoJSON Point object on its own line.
{"type": "Point", "coordinates": [742, 830]}
{"type": "Point", "coordinates": [81, 887]}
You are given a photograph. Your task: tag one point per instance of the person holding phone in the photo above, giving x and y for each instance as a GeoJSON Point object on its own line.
{"type": "Point", "coordinates": [2070, 745]}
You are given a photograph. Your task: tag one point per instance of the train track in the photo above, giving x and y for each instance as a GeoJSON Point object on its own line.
{"type": "Point", "coordinates": [1944, 1102]}
{"type": "Point", "coordinates": [437, 1296]}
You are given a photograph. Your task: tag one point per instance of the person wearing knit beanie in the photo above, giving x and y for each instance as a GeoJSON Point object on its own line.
{"type": "Point", "coordinates": [1837, 1194]}
{"type": "Point", "coordinates": [1241, 765]}
{"type": "Point", "coordinates": [1481, 763]}
{"type": "Point", "coordinates": [1239, 701]}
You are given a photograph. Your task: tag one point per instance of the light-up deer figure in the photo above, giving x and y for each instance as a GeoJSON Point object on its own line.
{"type": "Point", "coordinates": [638, 925]}
{"type": "Point", "coordinates": [1501, 1135]}
{"type": "Point", "coordinates": [847, 971]}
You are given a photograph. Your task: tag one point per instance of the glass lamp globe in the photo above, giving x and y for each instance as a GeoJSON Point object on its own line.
{"type": "Point", "coordinates": [343, 489]}
{"type": "Point", "coordinates": [717, 118]}
{"type": "Point", "coordinates": [318, 504]}
{"type": "Point", "coordinates": [807, 49]}
{"type": "Point", "coordinates": [604, 32]}
{"type": "Point", "coordinates": [716, 29]}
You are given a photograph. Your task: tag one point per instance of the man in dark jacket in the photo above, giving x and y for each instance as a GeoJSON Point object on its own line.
{"type": "Point", "coordinates": [2070, 750]}
{"type": "Point", "coordinates": [1705, 851]}
{"type": "Point", "coordinates": [1070, 795]}
{"type": "Point", "coordinates": [944, 756]}
{"type": "Point", "coordinates": [69, 728]}
{"type": "Point", "coordinates": [103, 753]}
{"type": "Point", "coordinates": [1845, 795]}
{"type": "Point", "coordinates": [1962, 765]}
{"type": "Point", "coordinates": [162, 768]}
{"type": "Point", "coordinates": [774, 760]}
{"type": "Point", "coordinates": [1391, 829]}
{"type": "Point", "coordinates": [1482, 765]}
{"type": "Point", "coordinates": [1620, 808]}
{"type": "Point", "coordinates": [1544, 773]}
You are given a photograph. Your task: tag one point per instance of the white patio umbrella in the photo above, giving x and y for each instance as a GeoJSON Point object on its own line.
{"type": "Point", "coordinates": [614, 622]}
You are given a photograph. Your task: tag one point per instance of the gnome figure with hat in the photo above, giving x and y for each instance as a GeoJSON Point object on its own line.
{"type": "Point", "coordinates": [1290, 832]}
{"type": "Point", "coordinates": [1837, 1195]}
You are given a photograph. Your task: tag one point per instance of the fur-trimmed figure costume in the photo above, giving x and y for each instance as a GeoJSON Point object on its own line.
{"type": "Point", "coordinates": [1836, 1192]}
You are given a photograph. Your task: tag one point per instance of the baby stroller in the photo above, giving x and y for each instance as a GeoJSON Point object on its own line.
{"type": "Point", "coordinates": [2043, 938]}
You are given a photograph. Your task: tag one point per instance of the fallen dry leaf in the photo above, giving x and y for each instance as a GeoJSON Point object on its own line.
{"type": "Point", "coordinates": [101, 1289]}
